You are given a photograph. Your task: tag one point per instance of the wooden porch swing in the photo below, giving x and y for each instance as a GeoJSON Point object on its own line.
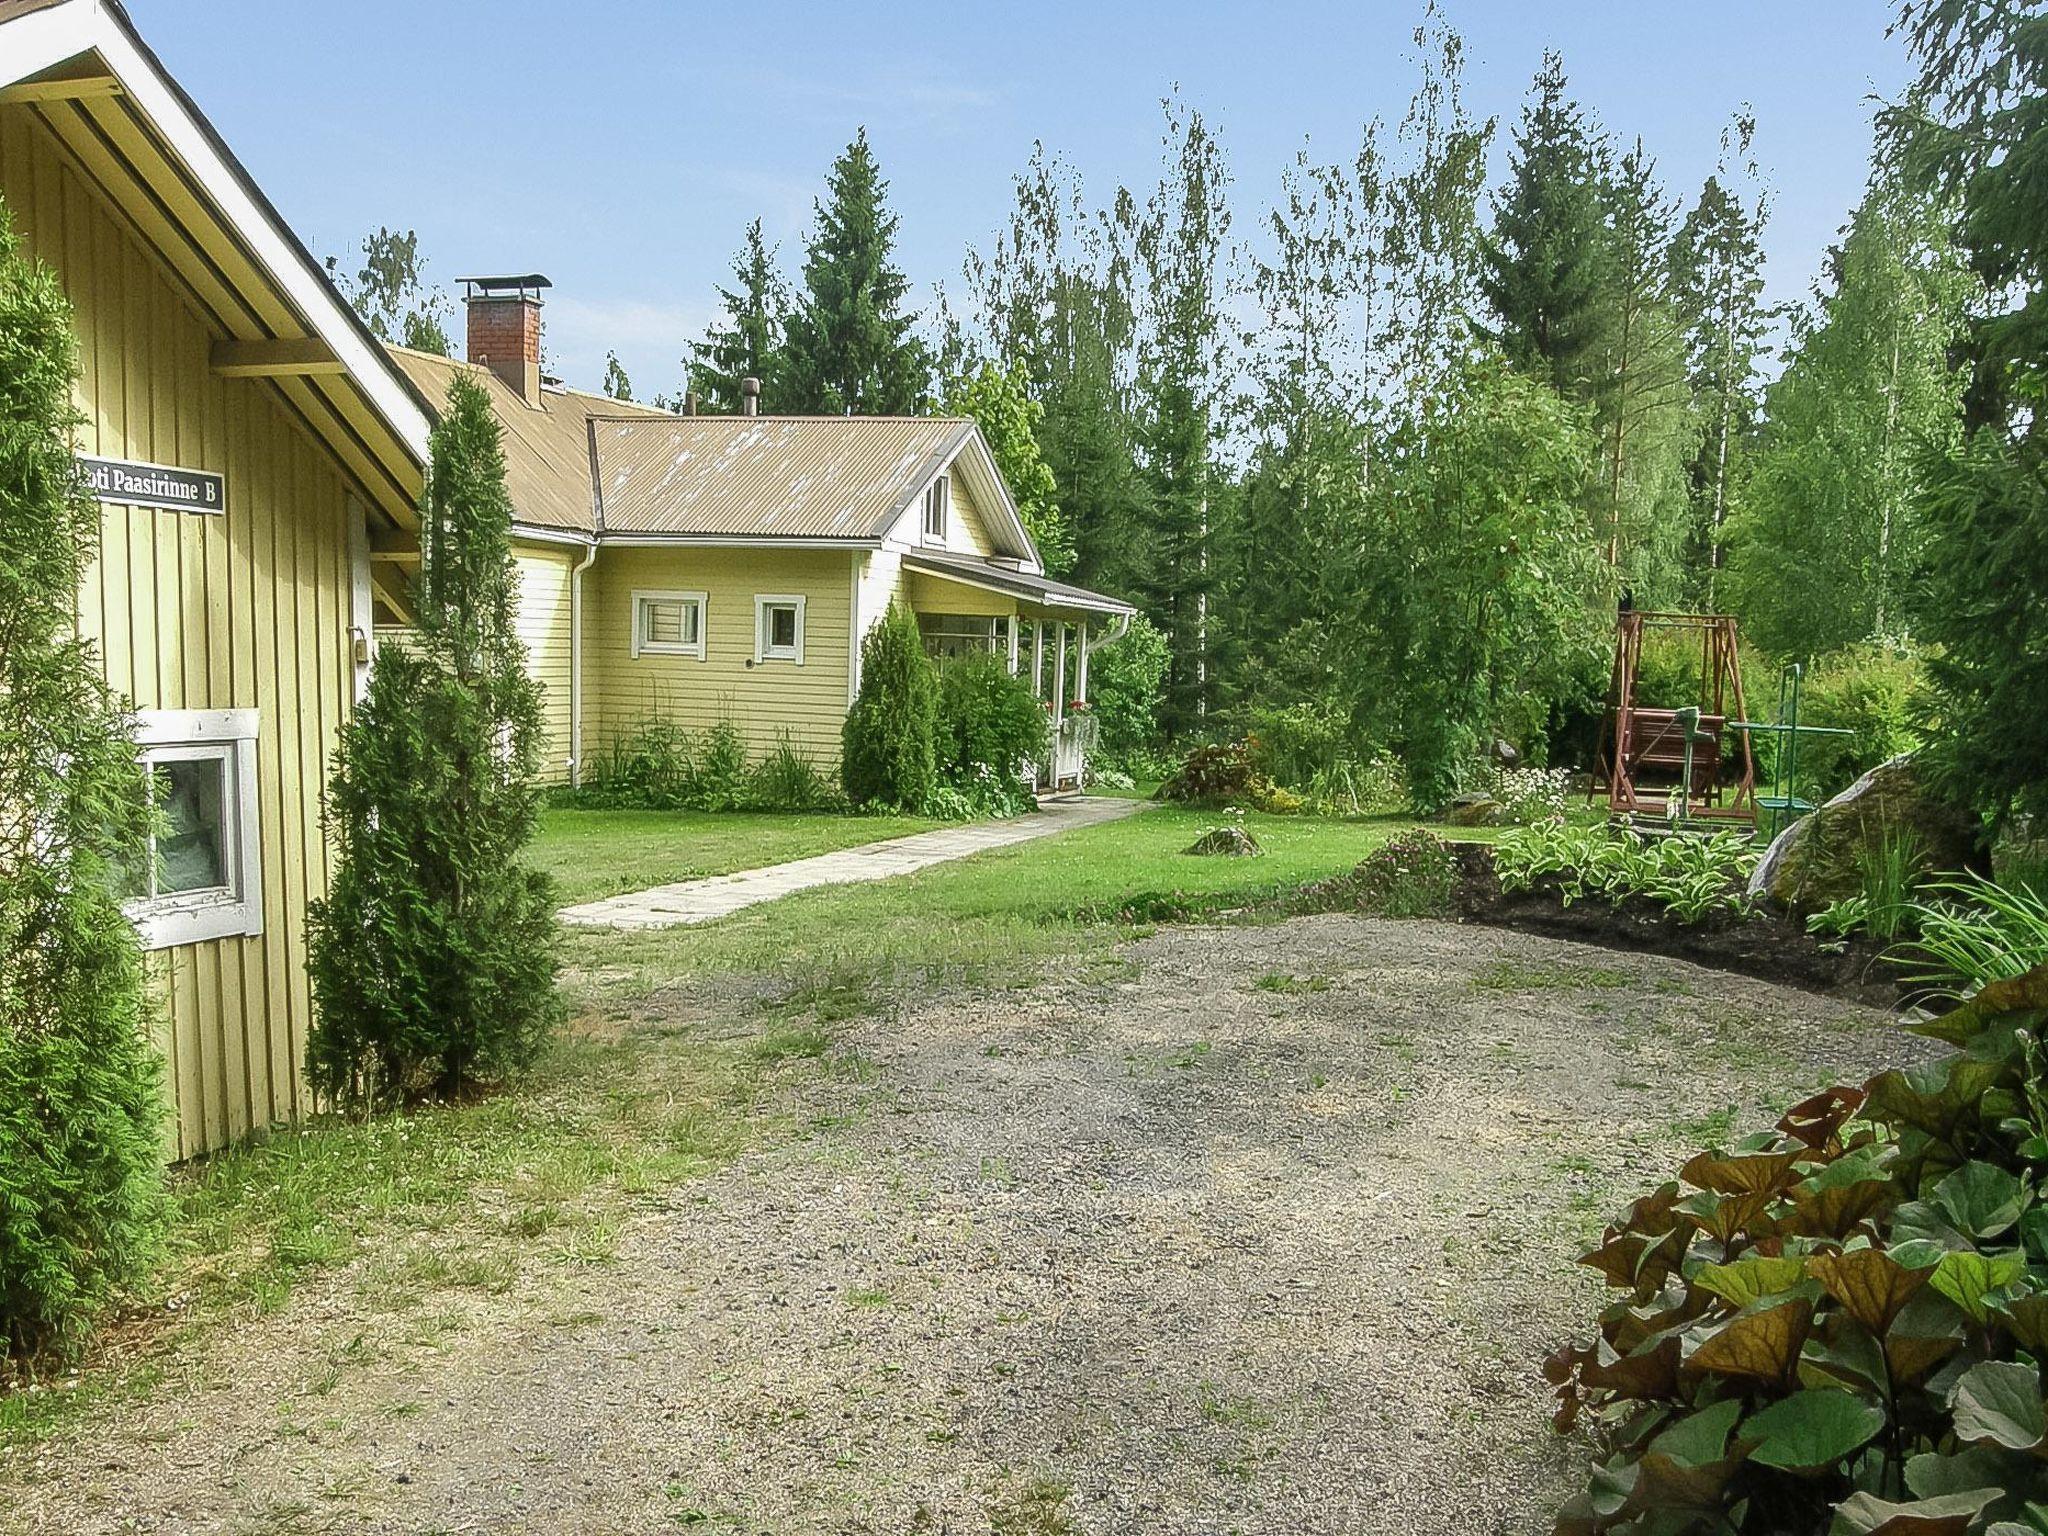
{"type": "Point", "coordinates": [1669, 764]}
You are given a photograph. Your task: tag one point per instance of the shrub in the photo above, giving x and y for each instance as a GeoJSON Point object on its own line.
{"type": "Point", "coordinates": [433, 955]}
{"type": "Point", "coordinates": [889, 752]}
{"type": "Point", "coordinates": [80, 1162]}
{"type": "Point", "coordinates": [1872, 690]}
{"type": "Point", "coordinates": [1225, 774]}
{"type": "Point", "coordinates": [720, 782]}
{"type": "Point", "coordinates": [786, 780]}
{"type": "Point", "coordinates": [1691, 876]}
{"type": "Point", "coordinates": [1412, 875]}
{"type": "Point", "coordinates": [989, 721]}
{"type": "Point", "coordinates": [1124, 681]}
{"type": "Point", "coordinates": [1530, 795]}
{"type": "Point", "coordinates": [1838, 1326]}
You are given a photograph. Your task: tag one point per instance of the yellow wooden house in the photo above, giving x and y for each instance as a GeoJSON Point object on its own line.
{"type": "Point", "coordinates": [706, 568]}
{"type": "Point", "coordinates": [259, 457]}
{"type": "Point", "coordinates": [250, 443]}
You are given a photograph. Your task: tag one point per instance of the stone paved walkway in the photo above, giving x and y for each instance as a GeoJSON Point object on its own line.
{"type": "Point", "coordinates": [702, 901]}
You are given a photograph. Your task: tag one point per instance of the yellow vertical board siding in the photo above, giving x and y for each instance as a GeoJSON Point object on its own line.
{"type": "Point", "coordinates": [966, 528]}
{"type": "Point", "coordinates": [808, 701]}
{"type": "Point", "coordinates": [544, 629]}
{"type": "Point", "coordinates": [935, 595]}
{"type": "Point", "coordinates": [245, 610]}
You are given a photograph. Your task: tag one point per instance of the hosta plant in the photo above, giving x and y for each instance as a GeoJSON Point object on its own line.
{"type": "Point", "coordinates": [1690, 876]}
{"type": "Point", "coordinates": [1838, 1326]}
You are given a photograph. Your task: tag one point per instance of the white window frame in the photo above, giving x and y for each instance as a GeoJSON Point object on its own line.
{"type": "Point", "coordinates": [228, 737]}
{"type": "Point", "coordinates": [938, 496]}
{"type": "Point", "coordinates": [642, 646]}
{"type": "Point", "coordinates": [763, 651]}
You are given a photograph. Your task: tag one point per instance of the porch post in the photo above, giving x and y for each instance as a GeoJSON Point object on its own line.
{"type": "Point", "coordinates": [1081, 667]}
{"type": "Point", "coordinates": [1038, 657]}
{"type": "Point", "coordinates": [1015, 620]}
{"type": "Point", "coordinates": [1059, 675]}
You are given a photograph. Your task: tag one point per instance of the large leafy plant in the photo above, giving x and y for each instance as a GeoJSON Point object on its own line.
{"type": "Point", "coordinates": [1839, 1325]}
{"type": "Point", "coordinates": [1691, 876]}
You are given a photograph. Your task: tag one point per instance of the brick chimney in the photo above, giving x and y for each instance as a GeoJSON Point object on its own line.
{"type": "Point", "coordinates": [504, 329]}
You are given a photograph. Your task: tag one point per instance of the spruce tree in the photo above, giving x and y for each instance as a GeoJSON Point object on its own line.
{"type": "Point", "coordinates": [80, 1107]}
{"type": "Point", "coordinates": [1544, 271]}
{"type": "Point", "coordinates": [433, 956]}
{"type": "Point", "coordinates": [851, 346]}
{"type": "Point", "coordinates": [1717, 277]}
{"type": "Point", "coordinates": [746, 341]}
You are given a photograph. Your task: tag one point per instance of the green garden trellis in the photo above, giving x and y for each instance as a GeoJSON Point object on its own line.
{"type": "Point", "coordinates": [1783, 805]}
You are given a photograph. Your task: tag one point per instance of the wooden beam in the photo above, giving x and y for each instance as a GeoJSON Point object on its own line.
{"type": "Point", "coordinates": [77, 88]}
{"type": "Point", "coordinates": [391, 590]}
{"type": "Point", "coordinates": [394, 557]}
{"type": "Point", "coordinates": [288, 357]}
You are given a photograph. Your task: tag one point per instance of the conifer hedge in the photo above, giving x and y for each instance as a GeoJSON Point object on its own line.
{"type": "Point", "coordinates": [80, 1110]}
{"type": "Point", "coordinates": [889, 745]}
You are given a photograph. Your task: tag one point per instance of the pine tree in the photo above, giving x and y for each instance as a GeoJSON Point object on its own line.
{"type": "Point", "coordinates": [746, 341]}
{"type": "Point", "coordinates": [1545, 259]}
{"type": "Point", "coordinates": [79, 1084]}
{"type": "Point", "coordinates": [433, 955]}
{"type": "Point", "coordinates": [851, 346]}
{"type": "Point", "coordinates": [1717, 277]}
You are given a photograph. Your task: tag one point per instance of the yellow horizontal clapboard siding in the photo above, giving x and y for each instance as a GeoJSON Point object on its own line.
{"type": "Point", "coordinates": [807, 701]}
{"type": "Point", "coordinates": [246, 610]}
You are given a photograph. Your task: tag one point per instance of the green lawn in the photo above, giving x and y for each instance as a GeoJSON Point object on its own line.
{"type": "Point", "coordinates": [999, 909]}
{"type": "Point", "coordinates": [594, 854]}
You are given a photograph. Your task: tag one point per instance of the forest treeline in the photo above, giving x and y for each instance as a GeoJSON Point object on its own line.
{"type": "Point", "coordinates": [1380, 462]}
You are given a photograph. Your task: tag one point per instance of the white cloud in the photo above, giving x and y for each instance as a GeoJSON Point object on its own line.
{"type": "Point", "coordinates": [650, 337]}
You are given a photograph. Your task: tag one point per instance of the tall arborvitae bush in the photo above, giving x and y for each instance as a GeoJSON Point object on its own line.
{"type": "Point", "coordinates": [889, 745]}
{"type": "Point", "coordinates": [434, 953]}
{"type": "Point", "coordinates": [80, 1156]}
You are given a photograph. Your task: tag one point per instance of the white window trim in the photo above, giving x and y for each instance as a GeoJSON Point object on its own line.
{"type": "Point", "coordinates": [227, 736]}
{"type": "Point", "coordinates": [666, 648]}
{"type": "Point", "coordinates": [941, 488]}
{"type": "Point", "coordinates": [763, 601]}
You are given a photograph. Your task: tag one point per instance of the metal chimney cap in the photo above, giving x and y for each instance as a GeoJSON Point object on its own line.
{"type": "Point", "coordinates": [523, 285]}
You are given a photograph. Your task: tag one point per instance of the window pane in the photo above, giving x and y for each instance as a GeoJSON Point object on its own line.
{"type": "Point", "coordinates": [688, 615]}
{"type": "Point", "coordinates": [662, 623]}
{"type": "Point", "coordinates": [782, 627]}
{"type": "Point", "coordinates": [191, 842]}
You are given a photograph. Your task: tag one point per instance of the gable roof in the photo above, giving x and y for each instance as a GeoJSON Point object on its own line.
{"type": "Point", "coordinates": [816, 477]}
{"type": "Point", "coordinates": [83, 71]}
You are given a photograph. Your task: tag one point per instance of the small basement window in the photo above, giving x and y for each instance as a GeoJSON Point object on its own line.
{"type": "Point", "coordinates": [937, 499]}
{"type": "Point", "coordinates": [779, 629]}
{"type": "Point", "coordinates": [668, 624]}
{"type": "Point", "coordinates": [201, 874]}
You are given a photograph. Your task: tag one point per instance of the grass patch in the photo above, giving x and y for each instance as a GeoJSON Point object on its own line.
{"type": "Point", "coordinates": [1286, 983]}
{"type": "Point", "coordinates": [595, 854]}
{"type": "Point", "coordinates": [1511, 976]}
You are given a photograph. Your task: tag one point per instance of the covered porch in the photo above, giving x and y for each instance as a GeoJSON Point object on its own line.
{"type": "Point", "coordinates": [1045, 630]}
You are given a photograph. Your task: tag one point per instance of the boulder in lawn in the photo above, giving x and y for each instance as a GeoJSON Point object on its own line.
{"type": "Point", "coordinates": [1820, 858]}
{"type": "Point", "coordinates": [1228, 843]}
{"type": "Point", "coordinates": [1472, 810]}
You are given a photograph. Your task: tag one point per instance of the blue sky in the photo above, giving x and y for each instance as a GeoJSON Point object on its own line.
{"type": "Point", "coordinates": [621, 147]}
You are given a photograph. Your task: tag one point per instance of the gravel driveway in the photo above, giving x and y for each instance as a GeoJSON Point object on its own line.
{"type": "Point", "coordinates": [1254, 1229]}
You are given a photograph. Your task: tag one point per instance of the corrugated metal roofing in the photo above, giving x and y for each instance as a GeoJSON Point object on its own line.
{"type": "Point", "coordinates": [990, 573]}
{"type": "Point", "coordinates": [812, 477]}
{"type": "Point", "coordinates": [547, 450]}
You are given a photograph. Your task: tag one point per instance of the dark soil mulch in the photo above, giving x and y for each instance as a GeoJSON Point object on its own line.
{"type": "Point", "coordinates": [1766, 945]}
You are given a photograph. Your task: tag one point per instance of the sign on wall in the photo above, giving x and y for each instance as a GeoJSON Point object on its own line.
{"type": "Point", "coordinates": [130, 483]}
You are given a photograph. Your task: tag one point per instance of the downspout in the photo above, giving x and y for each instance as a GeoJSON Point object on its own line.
{"type": "Point", "coordinates": [576, 664]}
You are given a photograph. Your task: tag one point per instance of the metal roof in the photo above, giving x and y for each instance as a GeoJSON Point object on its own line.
{"type": "Point", "coordinates": [547, 447]}
{"type": "Point", "coordinates": [814, 477]}
{"type": "Point", "coordinates": [1002, 578]}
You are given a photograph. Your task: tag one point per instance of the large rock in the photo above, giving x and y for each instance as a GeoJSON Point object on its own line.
{"type": "Point", "coordinates": [1472, 810]}
{"type": "Point", "coordinates": [1226, 842]}
{"type": "Point", "coordinates": [1819, 858]}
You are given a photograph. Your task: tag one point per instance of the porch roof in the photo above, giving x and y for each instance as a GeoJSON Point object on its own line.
{"type": "Point", "coordinates": [995, 576]}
